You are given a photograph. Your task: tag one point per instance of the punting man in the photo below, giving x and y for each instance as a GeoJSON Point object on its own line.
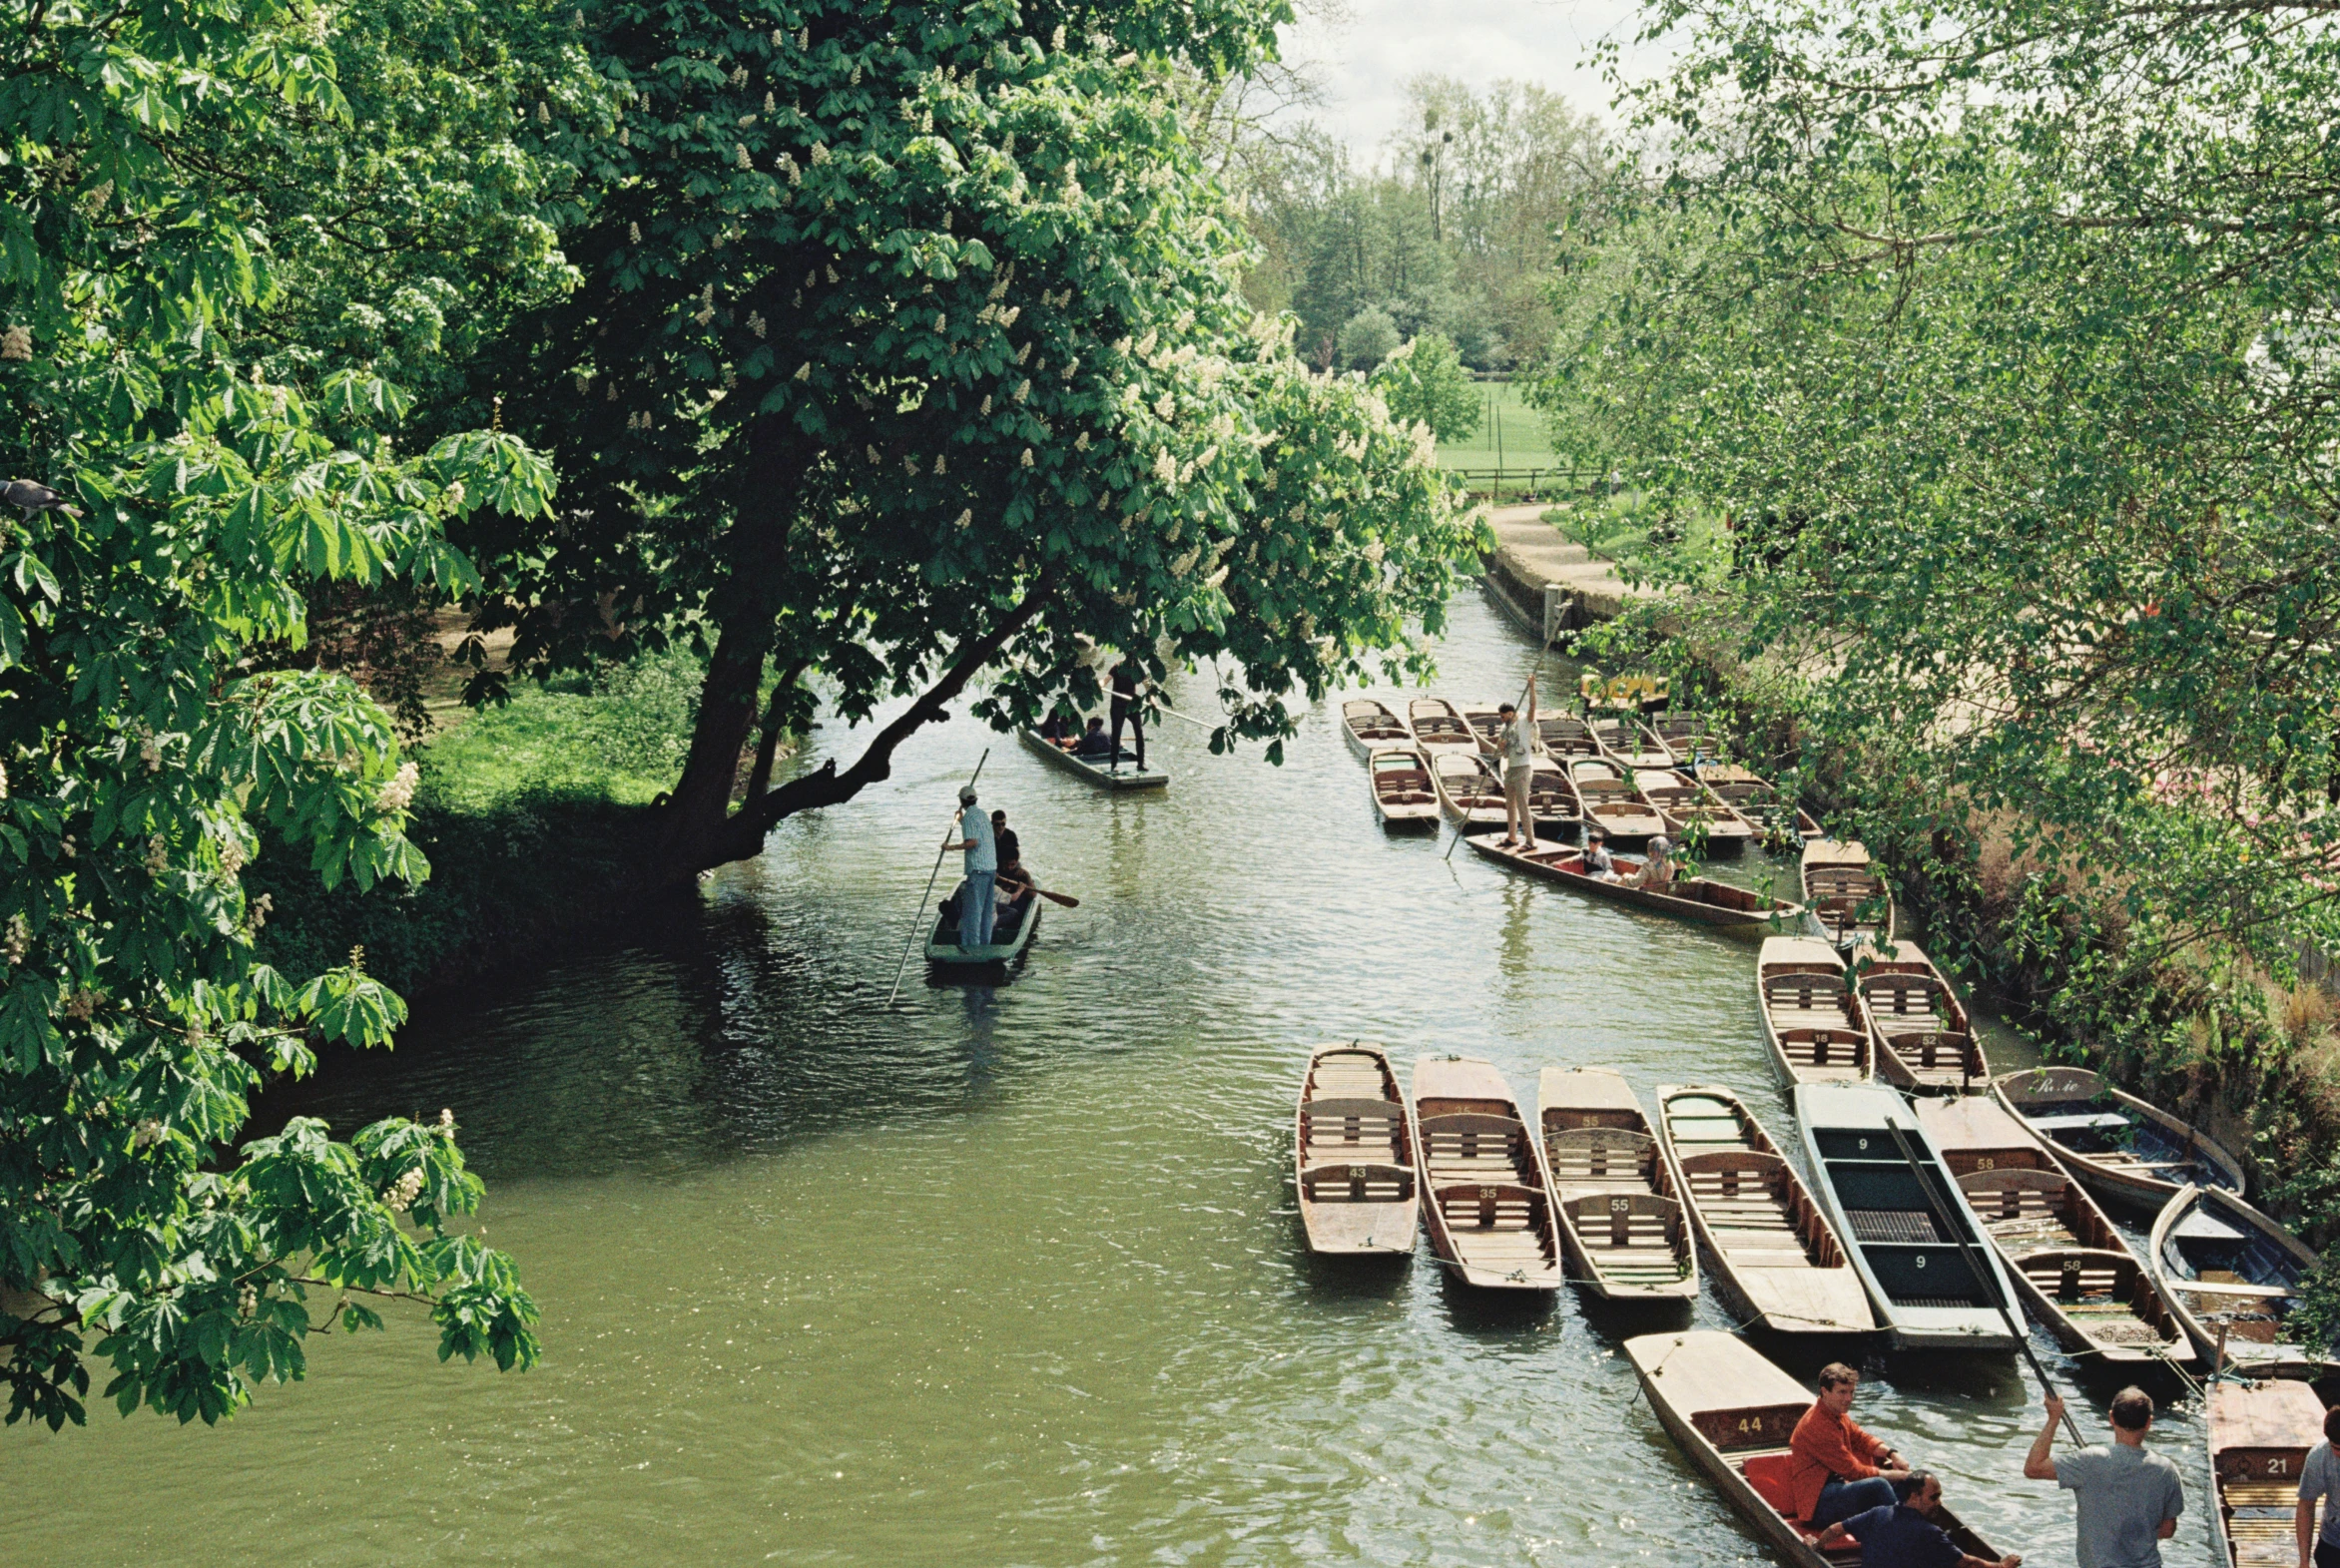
{"type": "Point", "coordinates": [983, 868]}
{"type": "Point", "coordinates": [1839, 1469]}
{"type": "Point", "coordinates": [1518, 742]}
{"type": "Point", "coordinates": [1125, 707]}
{"type": "Point", "coordinates": [2130, 1497]}
{"type": "Point", "coordinates": [1905, 1534]}
{"type": "Point", "coordinates": [2321, 1478]}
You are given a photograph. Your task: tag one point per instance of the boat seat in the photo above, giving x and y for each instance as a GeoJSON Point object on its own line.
{"type": "Point", "coordinates": [1357, 1183]}
{"type": "Point", "coordinates": [2084, 1121]}
{"type": "Point", "coordinates": [1468, 1144]}
{"type": "Point", "coordinates": [1490, 1206]}
{"type": "Point", "coordinates": [1823, 1047]}
{"type": "Point", "coordinates": [1732, 1182]}
{"type": "Point", "coordinates": [2071, 1276]}
{"type": "Point", "coordinates": [1601, 1154]}
{"type": "Point", "coordinates": [1626, 1221]}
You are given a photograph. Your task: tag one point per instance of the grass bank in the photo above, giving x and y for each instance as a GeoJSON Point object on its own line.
{"type": "Point", "coordinates": [526, 812]}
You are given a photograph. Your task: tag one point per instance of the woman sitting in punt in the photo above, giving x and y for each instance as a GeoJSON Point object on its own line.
{"type": "Point", "coordinates": [1657, 872]}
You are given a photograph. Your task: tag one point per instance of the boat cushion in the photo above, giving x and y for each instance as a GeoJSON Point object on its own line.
{"type": "Point", "coordinates": [1768, 1473]}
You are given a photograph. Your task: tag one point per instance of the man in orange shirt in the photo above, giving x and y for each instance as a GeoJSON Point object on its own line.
{"type": "Point", "coordinates": [1840, 1470]}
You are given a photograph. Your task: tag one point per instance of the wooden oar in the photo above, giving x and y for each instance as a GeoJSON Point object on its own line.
{"type": "Point", "coordinates": [1947, 1214]}
{"type": "Point", "coordinates": [921, 918]}
{"type": "Point", "coordinates": [1065, 900]}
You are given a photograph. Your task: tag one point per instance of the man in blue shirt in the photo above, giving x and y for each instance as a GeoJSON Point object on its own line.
{"type": "Point", "coordinates": [983, 867]}
{"type": "Point", "coordinates": [1905, 1535]}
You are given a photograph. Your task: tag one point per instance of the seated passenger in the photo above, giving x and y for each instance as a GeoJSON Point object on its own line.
{"type": "Point", "coordinates": [1906, 1534]}
{"type": "Point", "coordinates": [1657, 872]}
{"type": "Point", "coordinates": [1840, 1470]}
{"type": "Point", "coordinates": [1094, 743]}
{"type": "Point", "coordinates": [1597, 860]}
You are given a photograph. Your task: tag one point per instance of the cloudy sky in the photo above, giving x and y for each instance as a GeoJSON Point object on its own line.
{"type": "Point", "coordinates": [1363, 51]}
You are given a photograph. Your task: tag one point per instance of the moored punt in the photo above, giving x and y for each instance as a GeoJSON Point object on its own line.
{"type": "Point", "coordinates": [1688, 736]}
{"type": "Point", "coordinates": [1776, 1256]}
{"type": "Point", "coordinates": [1485, 721]}
{"type": "Point", "coordinates": [1924, 1040]}
{"type": "Point", "coordinates": [1610, 802]}
{"type": "Point", "coordinates": [1469, 792]}
{"type": "Point", "coordinates": [1628, 744]}
{"type": "Point", "coordinates": [1845, 891]}
{"type": "Point", "coordinates": [1758, 800]}
{"type": "Point", "coordinates": [1437, 727]}
{"type": "Point", "coordinates": [1554, 800]}
{"type": "Point", "coordinates": [1934, 1280]}
{"type": "Point", "coordinates": [1404, 795]}
{"type": "Point", "coordinates": [2129, 1150]}
{"type": "Point", "coordinates": [1733, 1413]}
{"type": "Point", "coordinates": [1118, 772]}
{"type": "Point", "coordinates": [2231, 1274]}
{"type": "Point", "coordinates": [1698, 898]}
{"type": "Point", "coordinates": [2259, 1435]}
{"type": "Point", "coordinates": [1370, 727]}
{"type": "Point", "coordinates": [1812, 1020]}
{"type": "Point", "coordinates": [1488, 1202]}
{"type": "Point", "coordinates": [1683, 805]}
{"type": "Point", "coordinates": [1013, 925]}
{"type": "Point", "coordinates": [1353, 1164]}
{"type": "Point", "coordinates": [2067, 1261]}
{"type": "Point", "coordinates": [1621, 1216]}
{"type": "Point", "coordinates": [1564, 736]}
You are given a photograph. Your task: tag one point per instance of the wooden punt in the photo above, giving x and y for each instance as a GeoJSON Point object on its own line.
{"type": "Point", "coordinates": [2068, 1263]}
{"type": "Point", "coordinates": [1610, 802]}
{"type": "Point", "coordinates": [1352, 1163]}
{"type": "Point", "coordinates": [1622, 1218]}
{"type": "Point", "coordinates": [1625, 742]}
{"type": "Point", "coordinates": [1698, 898]}
{"type": "Point", "coordinates": [2129, 1150]}
{"type": "Point", "coordinates": [1437, 727]}
{"type": "Point", "coordinates": [2259, 1436]}
{"type": "Point", "coordinates": [2231, 1273]}
{"type": "Point", "coordinates": [1487, 1200]}
{"type": "Point", "coordinates": [1564, 736]}
{"type": "Point", "coordinates": [1404, 795]}
{"type": "Point", "coordinates": [1683, 805]}
{"type": "Point", "coordinates": [1758, 800]}
{"type": "Point", "coordinates": [1119, 773]}
{"type": "Point", "coordinates": [1925, 1039]}
{"type": "Point", "coordinates": [1907, 1247]}
{"type": "Point", "coordinates": [1370, 727]}
{"type": "Point", "coordinates": [1552, 797]}
{"type": "Point", "coordinates": [1689, 736]}
{"type": "Point", "coordinates": [1733, 1413]}
{"type": "Point", "coordinates": [1485, 721]}
{"type": "Point", "coordinates": [1776, 1258]}
{"type": "Point", "coordinates": [1812, 1019]}
{"type": "Point", "coordinates": [1015, 923]}
{"type": "Point", "coordinates": [1845, 891]}
{"type": "Point", "coordinates": [1469, 792]}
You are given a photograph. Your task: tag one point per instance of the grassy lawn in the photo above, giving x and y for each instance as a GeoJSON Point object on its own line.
{"type": "Point", "coordinates": [1524, 443]}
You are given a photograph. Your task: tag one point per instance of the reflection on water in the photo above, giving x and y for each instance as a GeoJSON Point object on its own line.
{"type": "Point", "coordinates": [1011, 1273]}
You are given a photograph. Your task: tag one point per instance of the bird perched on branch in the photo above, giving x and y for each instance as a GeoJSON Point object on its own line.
{"type": "Point", "coordinates": [29, 497]}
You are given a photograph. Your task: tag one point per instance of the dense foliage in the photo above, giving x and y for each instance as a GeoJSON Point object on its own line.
{"type": "Point", "coordinates": [2001, 332]}
{"type": "Point", "coordinates": [910, 346]}
{"type": "Point", "coordinates": [204, 251]}
{"type": "Point", "coordinates": [1423, 382]}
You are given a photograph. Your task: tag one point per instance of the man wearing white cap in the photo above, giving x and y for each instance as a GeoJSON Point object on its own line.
{"type": "Point", "coordinates": [983, 867]}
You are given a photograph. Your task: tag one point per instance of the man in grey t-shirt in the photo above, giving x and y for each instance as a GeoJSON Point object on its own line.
{"type": "Point", "coordinates": [2129, 1498]}
{"type": "Point", "coordinates": [2321, 1478]}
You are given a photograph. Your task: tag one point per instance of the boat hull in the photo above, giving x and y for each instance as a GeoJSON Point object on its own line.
{"type": "Point", "coordinates": [2031, 1095]}
{"type": "Point", "coordinates": [1697, 899]}
{"type": "Point", "coordinates": [2249, 1307]}
{"type": "Point", "coordinates": [1349, 1151]}
{"type": "Point", "coordinates": [944, 954]}
{"type": "Point", "coordinates": [1116, 776]}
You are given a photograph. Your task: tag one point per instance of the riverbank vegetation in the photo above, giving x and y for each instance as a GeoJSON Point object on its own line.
{"type": "Point", "coordinates": [892, 346]}
{"type": "Point", "coordinates": [2000, 334]}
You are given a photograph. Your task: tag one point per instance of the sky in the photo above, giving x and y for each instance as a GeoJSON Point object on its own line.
{"type": "Point", "coordinates": [1365, 52]}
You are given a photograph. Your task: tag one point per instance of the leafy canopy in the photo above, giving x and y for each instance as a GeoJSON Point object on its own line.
{"type": "Point", "coordinates": [175, 292]}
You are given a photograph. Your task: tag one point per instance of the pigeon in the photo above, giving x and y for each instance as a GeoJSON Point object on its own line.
{"type": "Point", "coordinates": [28, 498]}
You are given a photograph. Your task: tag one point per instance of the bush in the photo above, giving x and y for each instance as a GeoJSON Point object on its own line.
{"type": "Point", "coordinates": [1424, 382]}
{"type": "Point", "coordinates": [1369, 337]}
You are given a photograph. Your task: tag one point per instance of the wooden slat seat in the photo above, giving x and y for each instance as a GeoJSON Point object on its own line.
{"type": "Point", "coordinates": [1632, 1236]}
{"type": "Point", "coordinates": [1358, 1182]}
{"type": "Point", "coordinates": [1604, 1157]}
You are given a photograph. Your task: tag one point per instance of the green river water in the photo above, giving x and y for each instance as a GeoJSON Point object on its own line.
{"type": "Point", "coordinates": [1013, 1275]}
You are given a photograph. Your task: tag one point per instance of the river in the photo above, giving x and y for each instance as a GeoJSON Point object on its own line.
{"type": "Point", "coordinates": [1012, 1274]}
